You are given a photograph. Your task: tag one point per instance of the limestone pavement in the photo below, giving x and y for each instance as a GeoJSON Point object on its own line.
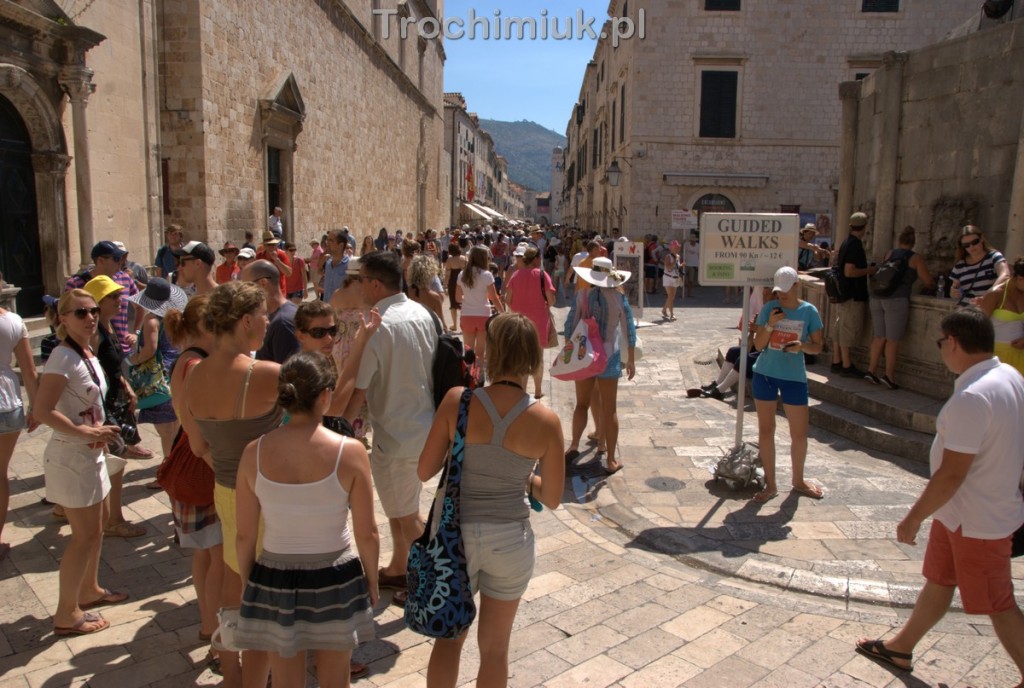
{"type": "Point", "coordinates": [653, 577]}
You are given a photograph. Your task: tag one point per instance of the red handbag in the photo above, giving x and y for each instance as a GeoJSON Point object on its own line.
{"type": "Point", "coordinates": [185, 477]}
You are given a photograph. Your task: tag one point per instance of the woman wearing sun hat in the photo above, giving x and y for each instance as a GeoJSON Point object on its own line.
{"type": "Point", "coordinates": [229, 269]}
{"type": "Point", "coordinates": [787, 328]}
{"type": "Point", "coordinates": [158, 297]}
{"type": "Point", "coordinates": [607, 304]}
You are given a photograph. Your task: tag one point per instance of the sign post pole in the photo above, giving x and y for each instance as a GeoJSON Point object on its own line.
{"type": "Point", "coordinates": [744, 250]}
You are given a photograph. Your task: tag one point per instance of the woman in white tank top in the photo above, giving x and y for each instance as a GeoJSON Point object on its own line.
{"type": "Point", "coordinates": [307, 590]}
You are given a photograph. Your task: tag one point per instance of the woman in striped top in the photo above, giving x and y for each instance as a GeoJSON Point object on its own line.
{"type": "Point", "coordinates": [979, 268]}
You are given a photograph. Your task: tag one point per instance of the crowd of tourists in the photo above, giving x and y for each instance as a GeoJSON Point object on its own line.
{"type": "Point", "coordinates": [238, 362]}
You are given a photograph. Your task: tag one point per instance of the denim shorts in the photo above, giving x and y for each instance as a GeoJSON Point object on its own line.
{"type": "Point", "coordinates": [499, 557]}
{"type": "Point", "coordinates": [12, 421]}
{"type": "Point", "coordinates": [768, 388]}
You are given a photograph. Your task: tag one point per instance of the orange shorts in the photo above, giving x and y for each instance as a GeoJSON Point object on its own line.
{"type": "Point", "coordinates": [980, 568]}
{"type": "Point", "coordinates": [473, 324]}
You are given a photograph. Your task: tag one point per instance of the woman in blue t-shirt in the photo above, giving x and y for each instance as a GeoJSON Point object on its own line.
{"type": "Point", "coordinates": [787, 329]}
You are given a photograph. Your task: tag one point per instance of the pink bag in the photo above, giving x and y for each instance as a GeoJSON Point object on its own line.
{"type": "Point", "coordinates": [583, 355]}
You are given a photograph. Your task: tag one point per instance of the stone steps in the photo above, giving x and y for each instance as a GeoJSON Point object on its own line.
{"type": "Point", "coordinates": [898, 422]}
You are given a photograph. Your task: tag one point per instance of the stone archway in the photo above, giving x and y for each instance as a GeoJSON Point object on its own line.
{"type": "Point", "coordinates": [49, 167]}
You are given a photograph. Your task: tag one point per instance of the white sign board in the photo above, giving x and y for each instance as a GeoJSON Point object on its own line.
{"type": "Point", "coordinates": [630, 256]}
{"type": "Point", "coordinates": [684, 220]}
{"type": "Point", "coordinates": [745, 249]}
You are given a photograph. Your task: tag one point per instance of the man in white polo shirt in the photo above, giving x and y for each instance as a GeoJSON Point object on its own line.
{"type": "Point", "coordinates": [973, 496]}
{"type": "Point", "coordinates": [395, 379]}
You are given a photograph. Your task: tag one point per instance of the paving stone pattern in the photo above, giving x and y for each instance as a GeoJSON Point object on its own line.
{"type": "Point", "coordinates": [654, 577]}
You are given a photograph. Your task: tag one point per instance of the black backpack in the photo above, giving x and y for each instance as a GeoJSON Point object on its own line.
{"type": "Point", "coordinates": [453, 364]}
{"type": "Point", "coordinates": [834, 286]}
{"type": "Point", "coordinates": [890, 275]}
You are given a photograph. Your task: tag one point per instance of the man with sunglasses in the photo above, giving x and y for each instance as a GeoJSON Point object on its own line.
{"type": "Point", "coordinates": [973, 496]}
{"type": "Point", "coordinates": [195, 263]}
{"type": "Point", "coordinates": [280, 342]}
{"type": "Point", "coordinates": [106, 259]}
{"type": "Point", "coordinates": [851, 313]}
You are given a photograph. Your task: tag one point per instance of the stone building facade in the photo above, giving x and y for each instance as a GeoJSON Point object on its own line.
{"type": "Point", "coordinates": [121, 118]}
{"type": "Point", "coordinates": [480, 191]}
{"type": "Point", "coordinates": [726, 105]}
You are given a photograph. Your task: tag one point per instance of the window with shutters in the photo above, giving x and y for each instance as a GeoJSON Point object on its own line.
{"type": "Point", "coordinates": [880, 6]}
{"type": "Point", "coordinates": [718, 103]}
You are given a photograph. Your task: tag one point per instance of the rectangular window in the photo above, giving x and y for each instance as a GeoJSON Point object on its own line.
{"type": "Point", "coordinates": [613, 125]}
{"type": "Point", "coordinates": [718, 100]}
{"type": "Point", "coordinates": [165, 182]}
{"type": "Point", "coordinates": [880, 6]}
{"type": "Point", "coordinates": [622, 115]}
{"type": "Point", "coordinates": [597, 147]}
{"type": "Point", "coordinates": [722, 5]}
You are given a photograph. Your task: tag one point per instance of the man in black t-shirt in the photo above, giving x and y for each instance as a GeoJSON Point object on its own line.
{"type": "Point", "coordinates": [280, 342]}
{"type": "Point", "coordinates": [850, 314]}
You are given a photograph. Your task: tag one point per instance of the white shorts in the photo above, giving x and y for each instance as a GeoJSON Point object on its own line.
{"type": "Point", "coordinates": [668, 281]}
{"type": "Point", "coordinates": [499, 558]}
{"type": "Point", "coordinates": [398, 485]}
{"type": "Point", "coordinates": [76, 475]}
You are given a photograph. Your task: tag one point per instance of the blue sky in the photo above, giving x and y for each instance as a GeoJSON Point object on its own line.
{"type": "Point", "coordinates": [511, 80]}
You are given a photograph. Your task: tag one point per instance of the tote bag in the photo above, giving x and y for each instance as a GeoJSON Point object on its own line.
{"type": "Point", "coordinates": [440, 602]}
{"type": "Point", "coordinates": [583, 355]}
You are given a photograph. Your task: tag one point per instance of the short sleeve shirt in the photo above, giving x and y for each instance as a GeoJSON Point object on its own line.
{"type": "Point", "coordinates": [119, 322]}
{"type": "Point", "coordinates": [983, 417]}
{"type": "Point", "coordinates": [12, 331]}
{"type": "Point", "coordinates": [82, 400]}
{"type": "Point", "coordinates": [280, 342]}
{"type": "Point", "coordinates": [396, 372]}
{"type": "Point", "coordinates": [852, 252]}
{"type": "Point", "coordinates": [975, 280]}
{"type": "Point", "coordinates": [474, 299]}
{"type": "Point", "coordinates": [799, 324]}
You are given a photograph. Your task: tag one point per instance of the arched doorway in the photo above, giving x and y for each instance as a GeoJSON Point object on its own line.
{"type": "Point", "coordinates": [714, 203]}
{"type": "Point", "coordinates": [20, 257]}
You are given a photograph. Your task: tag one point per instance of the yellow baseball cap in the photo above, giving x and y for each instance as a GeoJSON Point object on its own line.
{"type": "Point", "coordinates": [101, 286]}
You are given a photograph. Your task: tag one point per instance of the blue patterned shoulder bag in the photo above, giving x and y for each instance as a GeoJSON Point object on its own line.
{"type": "Point", "coordinates": [440, 603]}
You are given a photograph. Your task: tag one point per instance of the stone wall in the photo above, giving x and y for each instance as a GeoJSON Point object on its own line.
{"type": "Point", "coordinates": [370, 145]}
{"type": "Point", "coordinates": [118, 118]}
{"type": "Point", "coordinates": [959, 137]}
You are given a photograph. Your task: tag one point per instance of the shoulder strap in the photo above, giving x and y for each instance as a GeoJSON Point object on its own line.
{"type": "Point", "coordinates": [240, 402]}
{"type": "Point", "coordinates": [337, 461]}
{"type": "Point", "coordinates": [259, 444]}
{"type": "Point", "coordinates": [502, 423]}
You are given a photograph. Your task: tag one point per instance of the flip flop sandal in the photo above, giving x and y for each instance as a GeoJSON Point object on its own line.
{"type": "Point", "coordinates": [820, 494]}
{"type": "Point", "coordinates": [765, 497]}
{"type": "Point", "coordinates": [79, 628]}
{"type": "Point", "coordinates": [358, 670]}
{"type": "Point", "coordinates": [59, 516]}
{"type": "Point", "coordinates": [876, 650]}
{"type": "Point", "coordinates": [109, 598]}
{"type": "Point", "coordinates": [124, 529]}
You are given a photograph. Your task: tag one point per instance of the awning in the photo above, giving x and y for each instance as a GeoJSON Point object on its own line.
{"type": "Point", "coordinates": [475, 212]}
{"type": "Point", "coordinates": [494, 214]}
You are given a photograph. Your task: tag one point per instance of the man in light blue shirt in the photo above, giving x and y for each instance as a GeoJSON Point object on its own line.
{"type": "Point", "coordinates": [336, 263]}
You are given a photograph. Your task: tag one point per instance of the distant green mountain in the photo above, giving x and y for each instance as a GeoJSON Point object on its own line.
{"type": "Point", "coordinates": [527, 145]}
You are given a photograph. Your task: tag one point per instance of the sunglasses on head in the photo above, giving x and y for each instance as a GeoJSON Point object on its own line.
{"type": "Point", "coordinates": [186, 259]}
{"type": "Point", "coordinates": [968, 244]}
{"type": "Point", "coordinates": [321, 332]}
{"type": "Point", "coordinates": [81, 313]}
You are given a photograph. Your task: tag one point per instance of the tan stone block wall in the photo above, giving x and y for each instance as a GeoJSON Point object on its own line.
{"type": "Point", "coordinates": [356, 158]}
{"type": "Point", "coordinates": [116, 123]}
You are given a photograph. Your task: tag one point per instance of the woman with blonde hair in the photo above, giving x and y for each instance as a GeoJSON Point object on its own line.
{"type": "Point", "coordinates": [507, 436]}
{"type": "Point", "coordinates": [1005, 305]}
{"type": "Point", "coordinates": [425, 286]}
{"type": "Point", "coordinates": [196, 525]}
{"type": "Point", "coordinates": [672, 279]}
{"type": "Point", "coordinates": [70, 400]}
{"type": "Point", "coordinates": [232, 399]}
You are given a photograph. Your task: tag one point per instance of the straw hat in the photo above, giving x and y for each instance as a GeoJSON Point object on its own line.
{"type": "Point", "coordinates": [603, 274]}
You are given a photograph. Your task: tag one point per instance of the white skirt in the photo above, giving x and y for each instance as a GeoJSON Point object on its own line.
{"type": "Point", "coordinates": [76, 475]}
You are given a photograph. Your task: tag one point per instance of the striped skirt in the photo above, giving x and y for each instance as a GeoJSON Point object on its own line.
{"type": "Point", "coordinates": [298, 602]}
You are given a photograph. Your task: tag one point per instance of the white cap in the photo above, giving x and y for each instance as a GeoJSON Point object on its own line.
{"type": "Point", "coordinates": [521, 249]}
{"type": "Point", "coordinates": [246, 254]}
{"type": "Point", "coordinates": [785, 278]}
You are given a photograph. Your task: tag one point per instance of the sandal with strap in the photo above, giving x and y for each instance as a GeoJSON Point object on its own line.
{"type": "Point", "coordinates": [89, 623]}
{"type": "Point", "coordinates": [124, 529]}
{"type": "Point", "coordinates": [109, 597]}
{"type": "Point", "coordinates": [876, 650]}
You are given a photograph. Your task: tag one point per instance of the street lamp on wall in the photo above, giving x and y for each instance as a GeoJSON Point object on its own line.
{"type": "Point", "coordinates": [614, 173]}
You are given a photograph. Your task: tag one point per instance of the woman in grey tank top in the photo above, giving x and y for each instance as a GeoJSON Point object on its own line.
{"type": "Point", "coordinates": [507, 435]}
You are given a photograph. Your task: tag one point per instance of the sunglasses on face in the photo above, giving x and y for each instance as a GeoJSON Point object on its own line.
{"type": "Point", "coordinates": [321, 332]}
{"type": "Point", "coordinates": [82, 313]}
{"type": "Point", "coordinates": [969, 244]}
{"type": "Point", "coordinates": [186, 259]}
{"type": "Point", "coordinates": [938, 342]}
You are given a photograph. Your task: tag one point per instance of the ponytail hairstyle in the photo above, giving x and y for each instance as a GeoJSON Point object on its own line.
{"type": "Point", "coordinates": [181, 326]}
{"type": "Point", "coordinates": [303, 378]}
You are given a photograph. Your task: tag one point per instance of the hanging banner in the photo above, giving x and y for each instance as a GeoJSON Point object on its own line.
{"type": "Point", "coordinates": [745, 249]}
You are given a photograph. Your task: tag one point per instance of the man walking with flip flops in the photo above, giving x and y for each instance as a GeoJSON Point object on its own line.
{"type": "Point", "coordinates": [974, 496]}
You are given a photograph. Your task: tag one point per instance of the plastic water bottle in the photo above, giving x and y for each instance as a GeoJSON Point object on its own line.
{"type": "Point", "coordinates": [940, 287]}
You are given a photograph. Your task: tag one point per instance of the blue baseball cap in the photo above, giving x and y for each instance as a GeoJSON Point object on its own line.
{"type": "Point", "coordinates": [107, 248]}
